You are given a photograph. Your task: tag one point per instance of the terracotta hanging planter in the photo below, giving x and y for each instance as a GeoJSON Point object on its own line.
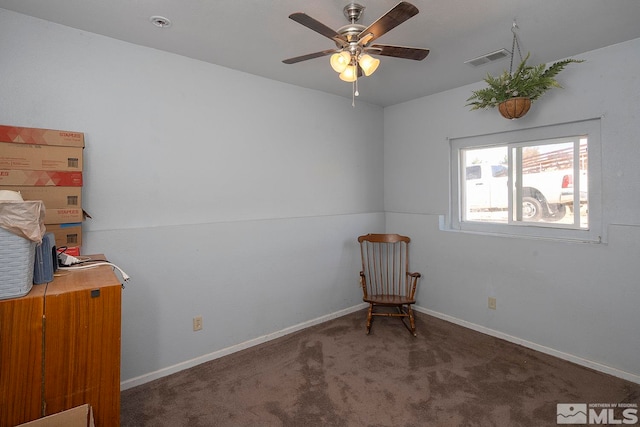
{"type": "Point", "coordinates": [514, 108]}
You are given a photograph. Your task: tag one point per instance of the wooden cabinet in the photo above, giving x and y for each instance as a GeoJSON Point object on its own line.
{"type": "Point", "coordinates": [60, 348]}
{"type": "Point", "coordinates": [21, 357]}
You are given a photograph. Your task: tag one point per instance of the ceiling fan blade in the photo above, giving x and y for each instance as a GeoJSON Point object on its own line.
{"type": "Point", "coordinates": [309, 56]}
{"type": "Point", "coordinates": [396, 16]}
{"type": "Point", "coordinates": [318, 27]}
{"type": "Point", "coordinates": [414, 53]}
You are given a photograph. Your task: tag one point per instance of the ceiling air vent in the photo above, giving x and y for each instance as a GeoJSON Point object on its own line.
{"type": "Point", "coordinates": [489, 57]}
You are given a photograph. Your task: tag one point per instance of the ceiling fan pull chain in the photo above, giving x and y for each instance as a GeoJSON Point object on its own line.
{"type": "Point", "coordinates": [353, 94]}
{"type": "Point", "coordinates": [355, 90]}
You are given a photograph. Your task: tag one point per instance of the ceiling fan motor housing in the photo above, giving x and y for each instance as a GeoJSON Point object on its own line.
{"type": "Point", "coordinates": [351, 33]}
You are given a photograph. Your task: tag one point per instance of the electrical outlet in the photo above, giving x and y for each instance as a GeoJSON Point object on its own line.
{"type": "Point", "coordinates": [197, 323]}
{"type": "Point", "coordinates": [492, 303]}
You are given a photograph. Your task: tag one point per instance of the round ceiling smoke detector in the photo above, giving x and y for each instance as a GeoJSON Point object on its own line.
{"type": "Point", "coordinates": [160, 21]}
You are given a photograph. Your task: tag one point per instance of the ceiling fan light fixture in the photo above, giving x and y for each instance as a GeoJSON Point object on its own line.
{"type": "Point", "coordinates": [369, 64]}
{"type": "Point", "coordinates": [350, 74]}
{"type": "Point", "coordinates": [340, 61]}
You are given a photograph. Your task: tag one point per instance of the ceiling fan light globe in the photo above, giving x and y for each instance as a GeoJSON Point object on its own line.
{"type": "Point", "coordinates": [340, 61]}
{"type": "Point", "coordinates": [369, 64]}
{"type": "Point", "coordinates": [349, 74]}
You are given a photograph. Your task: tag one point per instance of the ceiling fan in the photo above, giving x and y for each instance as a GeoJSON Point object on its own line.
{"type": "Point", "coordinates": [352, 55]}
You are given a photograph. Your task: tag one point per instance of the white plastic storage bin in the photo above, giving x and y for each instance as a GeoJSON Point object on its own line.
{"type": "Point", "coordinates": [17, 257]}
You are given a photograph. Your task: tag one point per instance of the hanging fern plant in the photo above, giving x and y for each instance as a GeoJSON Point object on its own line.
{"type": "Point", "coordinates": [527, 81]}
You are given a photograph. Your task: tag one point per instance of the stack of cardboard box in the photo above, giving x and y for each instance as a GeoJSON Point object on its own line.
{"type": "Point", "coordinates": [46, 164]}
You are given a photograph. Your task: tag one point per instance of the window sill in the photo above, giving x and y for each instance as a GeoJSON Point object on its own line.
{"type": "Point", "coordinates": [559, 235]}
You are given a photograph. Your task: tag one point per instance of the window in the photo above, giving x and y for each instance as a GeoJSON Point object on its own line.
{"type": "Point", "coordinates": [539, 182]}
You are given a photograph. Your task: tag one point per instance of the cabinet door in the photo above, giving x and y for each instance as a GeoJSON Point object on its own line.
{"type": "Point", "coordinates": [21, 358]}
{"type": "Point", "coordinates": [82, 351]}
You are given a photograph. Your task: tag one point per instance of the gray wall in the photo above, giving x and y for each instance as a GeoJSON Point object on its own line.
{"type": "Point", "coordinates": [578, 301]}
{"type": "Point", "coordinates": [220, 193]}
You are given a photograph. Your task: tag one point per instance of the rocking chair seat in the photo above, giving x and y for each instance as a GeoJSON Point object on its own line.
{"type": "Point", "coordinates": [390, 300]}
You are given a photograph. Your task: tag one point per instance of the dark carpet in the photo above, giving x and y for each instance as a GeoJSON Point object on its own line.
{"type": "Point", "coordinates": [333, 374]}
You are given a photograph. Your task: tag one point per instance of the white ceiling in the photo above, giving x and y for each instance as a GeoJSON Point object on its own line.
{"type": "Point", "coordinates": [254, 36]}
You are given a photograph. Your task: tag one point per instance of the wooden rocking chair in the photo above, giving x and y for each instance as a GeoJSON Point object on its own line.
{"type": "Point", "coordinates": [385, 278]}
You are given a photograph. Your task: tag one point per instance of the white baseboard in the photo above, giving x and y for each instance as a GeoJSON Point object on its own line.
{"type": "Point", "coordinates": [550, 351]}
{"type": "Point", "coordinates": [142, 379]}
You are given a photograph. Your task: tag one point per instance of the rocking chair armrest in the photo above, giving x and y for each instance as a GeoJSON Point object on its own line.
{"type": "Point", "coordinates": [414, 282]}
{"type": "Point", "coordinates": [363, 283]}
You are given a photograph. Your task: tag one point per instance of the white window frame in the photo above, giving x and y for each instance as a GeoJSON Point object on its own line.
{"type": "Point", "coordinates": [590, 128]}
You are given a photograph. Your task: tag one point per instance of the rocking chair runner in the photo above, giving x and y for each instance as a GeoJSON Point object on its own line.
{"type": "Point", "coordinates": [385, 277]}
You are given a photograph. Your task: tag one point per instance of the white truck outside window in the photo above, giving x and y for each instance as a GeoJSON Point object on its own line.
{"type": "Point", "coordinates": [541, 182]}
{"type": "Point", "coordinates": [547, 193]}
